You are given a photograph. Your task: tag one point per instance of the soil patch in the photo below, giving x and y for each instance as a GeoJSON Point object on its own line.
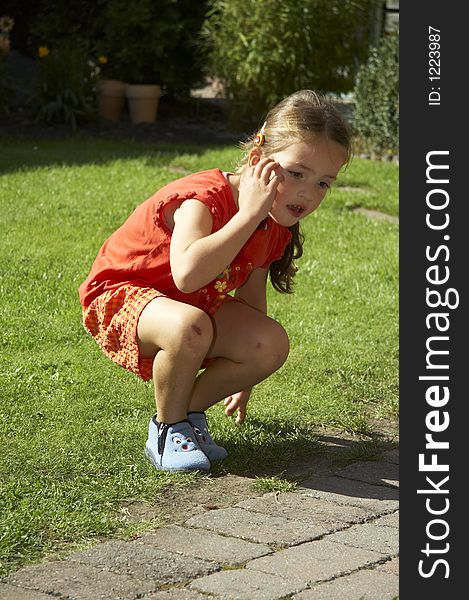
{"type": "Point", "coordinates": [199, 121]}
{"type": "Point", "coordinates": [177, 504]}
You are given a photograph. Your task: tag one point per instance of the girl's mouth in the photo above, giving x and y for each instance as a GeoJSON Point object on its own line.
{"type": "Point", "coordinates": [295, 209]}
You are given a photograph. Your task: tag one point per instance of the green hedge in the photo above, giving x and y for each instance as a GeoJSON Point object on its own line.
{"type": "Point", "coordinates": [376, 118]}
{"type": "Point", "coordinates": [265, 50]}
{"type": "Point", "coordinates": [154, 42]}
{"type": "Point", "coordinates": [141, 38]}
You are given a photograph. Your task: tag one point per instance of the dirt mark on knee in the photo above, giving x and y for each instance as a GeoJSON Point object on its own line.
{"type": "Point", "coordinates": [197, 329]}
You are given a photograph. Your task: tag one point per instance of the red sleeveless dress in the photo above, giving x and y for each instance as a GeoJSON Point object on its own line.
{"type": "Point", "coordinates": [132, 267]}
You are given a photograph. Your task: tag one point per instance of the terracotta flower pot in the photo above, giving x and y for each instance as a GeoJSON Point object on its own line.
{"type": "Point", "coordinates": [143, 102]}
{"type": "Point", "coordinates": [111, 99]}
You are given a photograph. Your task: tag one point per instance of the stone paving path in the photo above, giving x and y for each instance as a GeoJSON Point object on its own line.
{"type": "Point", "coordinates": [334, 538]}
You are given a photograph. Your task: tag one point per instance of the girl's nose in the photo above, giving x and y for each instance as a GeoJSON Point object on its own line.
{"type": "Point", "coordinates": [312, 198]}
{"type": "Point", "coordinates": [309, 194]}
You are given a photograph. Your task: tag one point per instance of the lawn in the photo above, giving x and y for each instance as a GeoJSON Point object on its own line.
{"type": "Point", "coordinates": [73, 425]}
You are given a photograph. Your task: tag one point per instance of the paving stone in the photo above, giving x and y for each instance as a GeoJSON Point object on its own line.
{"type": "Point", "coordinates": [378, 473]}
{"type": "Point", "coordinates": [80, 582]}
{"type": "Point", "coordinates": [390, 520]}
{"type": "Point", "coordinates": [349, 492]}
{"type": "Point", "coordinates": [145, 562]}
{"type": "Point", "coordinates": [370, 537]}
{"type": "Point", "coordinates": [173, 556]}
{"type": "Point", "coordinates": [312, 510]}
{"type": "Point", "coordinates": [207, 545]}
{"type": "Point", "coordinates": [261, 528]}
{"type": "Point", "coordinates": [363, 585]}
{"type": "Point", "coordinates": [241, 584]}
{"type": "Point", "coordinates": [176, 594]}
{"type": "Point", "coordinates": [11, 592]}
{"type": "Point", "coordinates": [315, 561]}
{"type": "Point", "coordinates": [390, 566]}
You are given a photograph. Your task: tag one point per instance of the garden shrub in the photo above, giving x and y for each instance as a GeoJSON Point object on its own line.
{"type": "Point", "coordinates": [6, 89]}
{"type": "Point", "coordinates": [376, 118]}
{"type": "Point", "coordinates": [154, 42]}
{"type": "Point", "coordinates": [6, 25]}
{"type": "Point", "coordinates": [263, 51]}
{"type": "Point", "coordinates": [55, 20]}
{"type": "Point", "coordinates": [143, 40]}
{"type": "Point", "coordinates": [65, 91]}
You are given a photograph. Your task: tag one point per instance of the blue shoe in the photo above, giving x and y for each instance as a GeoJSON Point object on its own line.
{"type": "Point", "coordinates": [174, 447]}
{"type": "Point", "coordinates": [198, 420]}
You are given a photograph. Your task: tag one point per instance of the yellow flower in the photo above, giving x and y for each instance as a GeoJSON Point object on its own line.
{"type": "Point", "coordinates": [102, 59]}
{"type": "Point", "coordinates": [221, 286]}
{"type": "Point", "coordinates": [43, 51]}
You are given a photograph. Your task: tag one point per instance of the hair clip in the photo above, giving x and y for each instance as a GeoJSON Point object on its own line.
{"type": "Point", "coordinates": [260, 137]}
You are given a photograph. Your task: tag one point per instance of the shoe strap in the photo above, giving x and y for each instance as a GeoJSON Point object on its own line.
{"type": "Point", "coordinates": [162, 434]}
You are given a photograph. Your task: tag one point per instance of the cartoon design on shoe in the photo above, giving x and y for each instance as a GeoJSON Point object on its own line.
{"type": "Point", "coordinates": [184, 443]}
{"type": "Point", "coordinates": [174, 447]}
{"type": "Point", "coordinates": [198, 421]}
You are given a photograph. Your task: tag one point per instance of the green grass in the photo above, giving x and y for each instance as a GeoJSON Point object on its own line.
{"type": "Point", "coordinates": [273, 484]}
{"type": "Point", "coordinates": [73, 425]}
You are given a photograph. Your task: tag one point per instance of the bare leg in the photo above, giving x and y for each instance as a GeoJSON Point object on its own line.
{"type": "Point", "coordinates": [248, 347]}
{"type": "Point", "coordinates": [178, 336]}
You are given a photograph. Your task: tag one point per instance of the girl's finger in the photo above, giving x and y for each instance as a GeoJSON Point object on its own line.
{"type": "Point", "coordinates": [241, 415]}
{"type": "Point", "coordinates": [230, 407]}
{"type": "Point", "coordinates": [276, 178]}
{"type": "Point", "coordinates": [259, 167]}
{"type": "Point", "coordinates": [268, 170]}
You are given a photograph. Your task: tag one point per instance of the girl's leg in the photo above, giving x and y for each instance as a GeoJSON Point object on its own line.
{"type": "Point", "coordinates": [248, 347]}
{"type": "Point", "coordinates": [178, 336]}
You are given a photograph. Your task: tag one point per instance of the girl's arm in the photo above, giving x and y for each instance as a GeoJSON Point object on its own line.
{"type": "Point", "coordinates": [197, 256]}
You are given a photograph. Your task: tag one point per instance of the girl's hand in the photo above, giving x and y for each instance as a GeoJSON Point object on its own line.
{"type": "Point", "coordinates": [258, 187]}
{"type": "Point", "coordinates": [237, 402]}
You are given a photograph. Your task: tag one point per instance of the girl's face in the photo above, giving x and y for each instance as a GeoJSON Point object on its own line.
{"type": "Point", "coordinates": [308, 170]}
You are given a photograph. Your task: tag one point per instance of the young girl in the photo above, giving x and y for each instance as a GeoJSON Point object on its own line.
{"type": "Point", "coordinates": [157, 298]}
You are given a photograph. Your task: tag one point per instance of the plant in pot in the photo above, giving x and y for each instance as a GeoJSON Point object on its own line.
{"type": "Point", "coordinates": [155, 44]}
{"type": "Point", "coordinates": [143, 100]}
{"type": "Point", "coordinates": [110, 87]}
{"type": "Point", "coordinates": [138, 33]}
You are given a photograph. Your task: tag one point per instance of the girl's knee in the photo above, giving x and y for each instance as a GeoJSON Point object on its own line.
{"type": "Point", "coordinates": [270, 346]}
{"type": "Point", "coordinates": [174, 327]}
{"type": "Point", "coordinates": [193, 332]}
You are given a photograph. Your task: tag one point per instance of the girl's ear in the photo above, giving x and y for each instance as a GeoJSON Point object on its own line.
{"type": "Point", "coordinates": [254, 156]}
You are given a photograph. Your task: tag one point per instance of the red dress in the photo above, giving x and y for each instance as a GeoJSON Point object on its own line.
{"type": "Point", "coordinates": [132, 267]}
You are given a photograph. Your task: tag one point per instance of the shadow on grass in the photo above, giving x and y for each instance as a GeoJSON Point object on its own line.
{"type": "Point", "coordinates": [352, 470]}
{"type": "Point", "coordinates": [260, 449]}
{"type": "Point", "coordinates": [194, 126]}
{"type": "Point", "coordinates": [82, 150]}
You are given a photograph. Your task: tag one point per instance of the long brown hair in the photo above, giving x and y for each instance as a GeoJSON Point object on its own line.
{"type": "Point", "coordinates": [301, 117]}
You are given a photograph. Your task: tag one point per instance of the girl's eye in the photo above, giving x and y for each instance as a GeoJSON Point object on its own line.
{"type": "Point", "coordinates": [296, 174]}
{"type": "Point", "coordinates": [324, 185]}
